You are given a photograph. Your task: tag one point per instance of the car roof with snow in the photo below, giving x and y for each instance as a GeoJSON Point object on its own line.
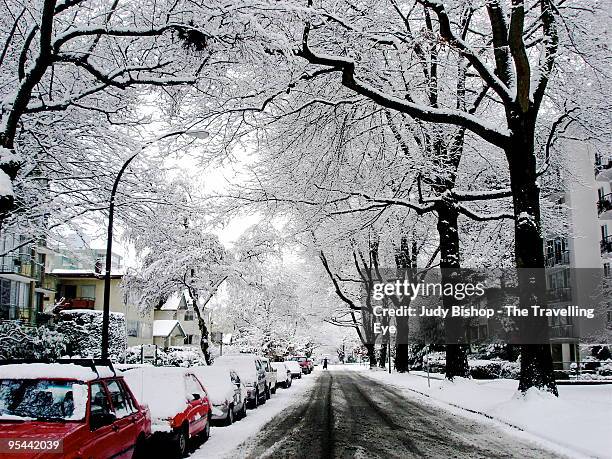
{"type": "Point", "coordinates": [217, 381]}
{"type": "Point", "coordinates": [54, 371]}
{"type": "Point", "coordinates": [161, 388]}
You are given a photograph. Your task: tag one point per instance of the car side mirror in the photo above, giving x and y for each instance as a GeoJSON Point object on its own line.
{"type": "Point", "coordinates": [101, 419]}
{"type": "Point", "coordinates": [196, 396]}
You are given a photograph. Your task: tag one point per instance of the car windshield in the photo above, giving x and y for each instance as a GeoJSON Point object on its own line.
{"type": "Point", "coordinates": [42, 399]}
{"type": "Point", "coordinates": [298, 359]}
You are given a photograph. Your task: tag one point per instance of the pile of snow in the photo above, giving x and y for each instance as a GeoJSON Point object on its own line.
{"type": "Point", "coordinates": [162, 389]}
{"type": "Point", "coordinates": [579, 419]}
{"type": "Point", "coordinates": [217, 382]}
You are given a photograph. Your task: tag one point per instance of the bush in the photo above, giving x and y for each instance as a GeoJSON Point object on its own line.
{"type": "Point", "coordinates": [19, 342]}
{"type": "Point", "coordinates": [501, 351]}
{"type": "Point", "coordinates": [485, 369]}
{"type": "Point", "coordinates": [83, 331]}
{"type": "Point", "coordinates": [605, 369]}
{"type": "Point", "coordinates": [173, 357]}
{"type": "Point", "coordinates": [561, 375]}
{"type": "Point", "coordinates": [184, 357]}
{"type": "Point", "coordinates": [510, 370]}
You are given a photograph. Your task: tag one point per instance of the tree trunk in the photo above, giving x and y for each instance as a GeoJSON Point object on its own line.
{"type": "Point", "coordinates": [536, 359]}
{"type": "Point", "coordinates": [384, 342]}
{"type": "Point", "coordinates": [456, 353]}
{"type": "Point", "coordinates": [204, 343]}
{"type": "Point", "coordinates": [370, 348]}
{"type": "Point", "coordinates": [401, 345]}
{"type": "Point", "coordinates": [383, 355]}
{"type": "Point", "coordinates": [204, 335]}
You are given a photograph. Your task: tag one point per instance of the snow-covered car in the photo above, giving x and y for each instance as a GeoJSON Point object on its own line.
{"type": "Point", "coordinates": [295, 368]}
{"type": "Point", "coordinates": [70, 411]}
{"type": "Point", "coordinates": [283, 374]}
{"type": "Point", "coordinates": [180, 409]}
{"type": "Point", "coordinates": [303, 362]}
{"type": "Point", "coordinates": [270, 377]}
{"type": "Point", "coordinates": [225, 391]}
{"type": "Point", "coordinates": [252, 374]}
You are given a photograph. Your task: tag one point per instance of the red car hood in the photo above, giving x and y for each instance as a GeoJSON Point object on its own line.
{"type": "Point", "coordinates": [35, 430]}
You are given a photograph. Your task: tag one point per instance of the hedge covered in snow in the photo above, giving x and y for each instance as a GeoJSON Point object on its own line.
{"type": "Point", "coordinates": [21, 342]}
{"type": "Point", "coordinates": [83, 331]}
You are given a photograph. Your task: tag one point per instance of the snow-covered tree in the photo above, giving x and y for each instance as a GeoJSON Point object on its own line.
{"type": "Point", "coordinates": [176, 253]}
{"type": "Point", "coordinates": [515, 56]}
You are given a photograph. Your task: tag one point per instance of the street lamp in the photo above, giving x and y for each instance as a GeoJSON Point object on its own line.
{"type": "Point", "coordinates": [198, 134]}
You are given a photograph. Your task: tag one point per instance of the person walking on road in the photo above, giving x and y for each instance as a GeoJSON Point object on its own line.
{"type": "Point", "coordinates": [325, 363]}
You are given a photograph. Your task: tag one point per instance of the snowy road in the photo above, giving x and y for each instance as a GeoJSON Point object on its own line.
{"type": "Point", "coordinates": [346, 414]}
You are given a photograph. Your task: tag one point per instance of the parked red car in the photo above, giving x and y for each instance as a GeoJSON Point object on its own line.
{"type": "Point", "coordinates": [305, 363]}
{"type": "Point", "coordinates": [69, 411]}
{"type": "Point", "coordinates": [179, 404]}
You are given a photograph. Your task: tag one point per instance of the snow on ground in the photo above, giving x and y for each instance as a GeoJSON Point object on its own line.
{"type": "Point", "coordinates": [223, 440]}
{"type": "Point", "coordinates": [580, 420]}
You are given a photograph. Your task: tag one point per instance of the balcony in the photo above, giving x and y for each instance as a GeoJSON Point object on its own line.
{"type": "Point", "coordinates": [78, 303]}
{"type": "Point", "coordinates": [604, 204]}
{"type": "Point", "coordinates": [606, 245]}
{"type": "Point", "coordinates": [558, 259]}
{"type": "Point", "coordinates": [19, 265]}
{"type": "Point", "coordinates": [562, 331]}
{"type": "Point", "coordinates": [603, 168]}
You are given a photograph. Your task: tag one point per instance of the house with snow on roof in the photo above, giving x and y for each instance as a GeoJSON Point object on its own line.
{"type": "Point", "coordinates": [175, 322]}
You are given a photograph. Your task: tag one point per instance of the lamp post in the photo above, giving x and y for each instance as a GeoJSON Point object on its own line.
{"type": "Point", "coordinates": [109, 234]}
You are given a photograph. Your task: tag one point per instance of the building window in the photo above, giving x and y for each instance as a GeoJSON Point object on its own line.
{"type": "Point", "coordinates": [145, 330]}
{"type": "Point", "coordinates": [606, 269]}
{"type": "Point", "coordinates": [189, 316]}
{"type": "Point", "coordinates": [88, 291]}
{"type": "Point", "coordinates": [132, 328]}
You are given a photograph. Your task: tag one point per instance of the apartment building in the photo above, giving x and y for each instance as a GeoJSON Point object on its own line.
{"type": "Point", "coordinates": [25, 287]}
{"type": "Point", "coordinates": [576, 261]}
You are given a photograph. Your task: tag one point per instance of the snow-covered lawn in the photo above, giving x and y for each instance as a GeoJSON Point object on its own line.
{"type": "Point", "coordinates": [580, 420]}
{"type": "Point", "coordinates": [223, 440]}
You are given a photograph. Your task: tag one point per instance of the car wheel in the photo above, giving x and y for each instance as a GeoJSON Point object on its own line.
{"type": "Point", "coordinates": [229, 419]}
{"type": "Point", "coordinates": [206, 431]}
{"type": "Point", "coordinates": [274, 389]}
{"type": "Point", "coordinates": [139, 448]}
{"type": "Point", "coordinates": [256, 401]}
{"type": "Point", "coordinates": [267, 392]}
{"type": "Point", "coordinates": [244, 411]}
{"type": "Point", "coordinates": [181, 442]}
{"type": "Point", "coordinates": [264, 397]}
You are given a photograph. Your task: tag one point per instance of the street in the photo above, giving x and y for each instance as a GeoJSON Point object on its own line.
{"type": "Point", "coordinates": [346, 414]}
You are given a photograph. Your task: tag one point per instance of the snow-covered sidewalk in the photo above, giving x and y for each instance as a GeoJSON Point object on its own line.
{"type": "Point", "coordinates": [580, 420]}
{"type": "Point", "coordinates": [224, 440]}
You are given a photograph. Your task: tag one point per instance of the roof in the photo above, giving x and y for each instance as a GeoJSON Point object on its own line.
{"type": "Point", "coordinates": [86, 273]}
{"type": "Point", "coordinates": [172, 303]}
{"type": "Point", "coordinates": [52, 371]}
{"type": "Point", "coordinates": [164, 328]}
